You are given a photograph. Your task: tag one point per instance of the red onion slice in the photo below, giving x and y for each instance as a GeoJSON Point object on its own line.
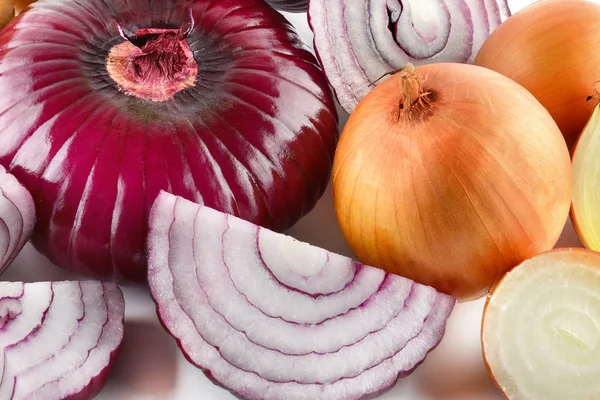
{"type": "Point", "coordinates": [58, 339]}
{"type": "Point", "coordinates": [251, 131]}
{"type": "Point", "coordinates": [352, 332]}
{"type": "Point", "coordinates": [17, 217]}
{"type": "Point", "coordinates": [358, 43]}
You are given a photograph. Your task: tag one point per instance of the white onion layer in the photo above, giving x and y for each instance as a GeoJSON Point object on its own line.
{"type": "Point", "coordinates": [58, 339]}
{"type": "Point", "coordinates": [359, 42]}
{"type": "Point", "coordinates": [17, 217]}
{"type": "Point", "coordinates": [270, 317]}
{"type": "Point", "coordinates": [541, 329]}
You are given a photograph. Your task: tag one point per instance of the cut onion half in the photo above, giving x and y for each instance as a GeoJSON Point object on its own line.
{"type": "Point", "coordinates": [359, 43]}
{"type": "Point", "coordinates": [17, 217]}
{"type": "Point", "coordinates": [541, 328]}
{"type": "Point", "coordinates": [270, 317]}
{"type": "Point", "coordinates": [585, 210]}
{"type": "Point", "coordinates": [58, 339]}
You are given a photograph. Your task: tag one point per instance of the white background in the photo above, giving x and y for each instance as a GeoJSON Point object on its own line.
{"type": "Point", "coordinates": [151, 367]}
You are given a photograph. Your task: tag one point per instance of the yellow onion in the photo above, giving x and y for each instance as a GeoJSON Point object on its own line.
{"type": "Point", "coordinates": [451, 175]}
{"type": "Point", "coordinates": [7, 12]}
{"type": "Point", "coordinates": [550, 48]}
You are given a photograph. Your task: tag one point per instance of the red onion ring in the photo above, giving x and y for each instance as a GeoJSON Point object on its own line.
{"type": "Point", "coordinates": [272, 318]}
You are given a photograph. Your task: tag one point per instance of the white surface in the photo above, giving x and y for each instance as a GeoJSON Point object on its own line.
{"type": "Point", "coordinates": [151, 367]}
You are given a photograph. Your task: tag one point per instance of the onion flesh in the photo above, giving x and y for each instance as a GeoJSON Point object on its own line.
{"type": "Point", "coordinates": [358, 44]}
{"type": "Point", "coordinates": [541, 328]}
{"type": "Point", "coordinates": [58, 339]}
{"type": "Point", "coordinates": [585, 212]}
{"type": "Point", "coordinates": [17, 218]}
{"type": "Point", "coordinates": [254, 136]}
{"type": "Point", "coordinates": [270, 317]}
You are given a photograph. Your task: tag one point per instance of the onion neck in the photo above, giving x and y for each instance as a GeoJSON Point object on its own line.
{"type": "Point", "coordinates": [154, 64]}
{"type": "Point", "coordinates": [415, 102]}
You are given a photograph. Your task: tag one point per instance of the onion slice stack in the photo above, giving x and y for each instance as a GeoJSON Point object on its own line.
{"type": "Point", "coordinates": [358, 43]}
{"type": "Point", "coordinates": [17, 217]}
{"type": "Point", "coordinates": [270, 317]}
{"type": "Point", "coordinates": [58, 339]}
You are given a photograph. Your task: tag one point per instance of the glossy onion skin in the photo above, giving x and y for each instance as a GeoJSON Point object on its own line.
{"type": "Point", "coordinates": [456, 200]}
{"type": "Point", "coordinates": [255, 137]}
{"type": "Point", "coordinates": [548, 48]}
{"type": "Point", "coordinates": [295, 6]}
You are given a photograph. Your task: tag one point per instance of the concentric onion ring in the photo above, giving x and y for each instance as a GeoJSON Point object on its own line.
{"type": "Point", "coordinates": [273, 318]}
{"type": "Point", "coordinates": [58, 340]}
{"type": "Point", "coordinates": [541, 328]}
{"type": "Point", "coordinates": [357, 43]}
{"type": "Point", "coordinates": [17, 217]}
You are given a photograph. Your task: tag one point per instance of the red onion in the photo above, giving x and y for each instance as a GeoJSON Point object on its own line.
{"type": "Point", "coordinates": [294, 6]}
{"type": "Point", "coordinates": [17, 217]}
{"type": "Point", "coordinates": [358, 44]}
{"type": "Point", "coordinates": [270, 317]}
{"type": "Point", "coordinates": [58, 340]}
{"type": "Point", "coordinates": [216, 101]}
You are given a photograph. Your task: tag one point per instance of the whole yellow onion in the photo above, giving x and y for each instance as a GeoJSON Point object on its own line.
{"type": "Point", "coordinates": [451, 175]}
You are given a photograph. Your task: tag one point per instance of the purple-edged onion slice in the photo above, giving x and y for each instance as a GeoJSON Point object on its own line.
{"type": "Point", "coordinates": [294, 6]}
{"type": "Point", "coordinates": [106, 102]}
{"type": "Point", "coordinates": [270, 317]}
{"type": "Point", "coordinates": [358, 42]}
{"type": "Point", "coordinates": [17, 217]}
{"type": "Point", "coordinates": [58, 340]}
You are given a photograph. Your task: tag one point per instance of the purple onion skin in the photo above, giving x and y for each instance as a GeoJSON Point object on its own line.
{"type": "Point", "coordinates": [294, 6]}
{"type": "Point", "coordinates": [254, 137]}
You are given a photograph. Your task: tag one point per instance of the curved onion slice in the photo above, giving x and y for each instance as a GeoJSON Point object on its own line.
{"type": "Point", "coordinates": [17, 217]}
{"type": "Point", "coordinates": [295, 6]}
{"type": "Point", "coordinates": [357, 44]}
{"type": "Point", "coordinates": [251, 131]}
{"type": "Point", "coordinates": [270, 317]}
{"type": "Point", "coordinates": [541, 328]}
{"type": "Point", "coordinates": [58, 339]}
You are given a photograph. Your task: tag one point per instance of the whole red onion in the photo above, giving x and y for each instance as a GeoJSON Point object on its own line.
{"type": "Point", "coordinates": [105, 103]}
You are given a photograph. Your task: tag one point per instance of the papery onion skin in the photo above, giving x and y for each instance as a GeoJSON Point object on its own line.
{"type": "Point", "coordinates": [254, 137]}
{"type": "Point", "coordinates": [294, 6]}
{"type": "Point", "coordinates": [550, 48]}
{"type": "Point", "coordinates": [17, 218]}
{"type": "Point", "coordinates": [560, 274]}
{"type": "Point", "coordinates": [358, 44]}
{"type": "Point", "coordinates": [272, 318]}
{"type": "Point", "coordinates": [459, 188]}
{"type": "Point", "coordinates": [75, 341]}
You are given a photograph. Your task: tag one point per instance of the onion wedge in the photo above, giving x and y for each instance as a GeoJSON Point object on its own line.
{"type": "Point", "coordinates": [357, 43]}
{"type": "Point", "coordinates": [270, 317]}
{"type": "Point", "coordinates": [541, 328]}
{"type": "Point", "coordinates": [17, 217]}
{"type": "Point", "coordinates": [58, 339]}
